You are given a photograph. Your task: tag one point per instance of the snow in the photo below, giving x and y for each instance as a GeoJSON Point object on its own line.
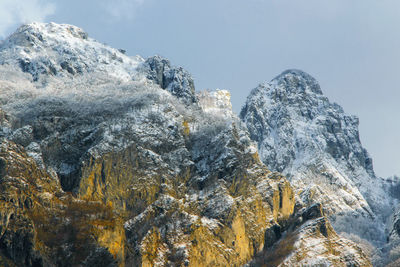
{"type": "Point", "coordinates": [317, 146]}
{"type": "Point", "coordinates": [210, 223]}
{"type": "Point", "coordinates": [64, 50]}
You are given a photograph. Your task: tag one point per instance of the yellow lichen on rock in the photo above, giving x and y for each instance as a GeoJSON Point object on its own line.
{"type": "Point", "coordinates": [206, 249]}
{"type": "Point", "coordinates": [283, 201]}
{"type": "Point", "coordinates": [115, 177]}
{"type": "Point", "coordinates": [242, 243]}
{"type": "Point", "coordinates": [186, 129]}
{"type": "Point", "coordinates": [287, 199]}
{"type": "Point", "coordinates": [152, 248]}
{"type": "Point", "coordinates": [114, 240]}
{"type": "Point", "coordinates": [50, 222]}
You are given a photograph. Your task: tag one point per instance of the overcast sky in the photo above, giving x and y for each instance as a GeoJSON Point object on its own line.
{"type": "Point", "coordinates": [352, 47]}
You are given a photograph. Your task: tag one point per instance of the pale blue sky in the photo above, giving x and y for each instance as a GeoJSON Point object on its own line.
{"type": "Point", "coordinates": [352, 47]}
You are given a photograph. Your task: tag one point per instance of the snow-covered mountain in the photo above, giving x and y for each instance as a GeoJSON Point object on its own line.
{"type": "Point", "coordinates": [50, 51]}
{"type": "Point", "coordinates": [301, 134]}
{"type": "Point", "coordinates": [111, 160]}
{"type": "Point", "coordinates": [63, 50]}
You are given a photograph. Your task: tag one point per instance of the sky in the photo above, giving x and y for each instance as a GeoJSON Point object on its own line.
{"type": "Point", "coordinates": [351, 47]}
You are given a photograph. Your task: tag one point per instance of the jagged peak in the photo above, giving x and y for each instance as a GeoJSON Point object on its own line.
{"type": "Point", "coordinates": [294, 88]}
{"type": "Point", "coordinates": [294, 80]}
{"type": "Point", "coordinates": [317, 145]}
{"type": "Point", "coordinates": [296, 72]}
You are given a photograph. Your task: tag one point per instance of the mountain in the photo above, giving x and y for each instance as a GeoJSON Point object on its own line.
{"type": "Point", "coordinates": [310, 140]}
{"type": "Point", "coordinates": [109, 160]}
{"type": "Point", "coordinates": [63, 50]}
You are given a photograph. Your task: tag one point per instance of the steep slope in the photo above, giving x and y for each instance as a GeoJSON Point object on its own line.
{"type": "Point", "coordinates": [154, 177]}
{"type": "Point", "coordinates": [317, 146]}
{"type": "Point", "coordinates": [49, 50]}
{"type": "Point", "coordinates": [63, 50]}
{"type": "Point", "coordinates": [310, 241]}
{"type": "Point", "coordinates": [43, 226]}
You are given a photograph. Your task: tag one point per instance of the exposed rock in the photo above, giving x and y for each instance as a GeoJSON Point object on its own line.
{"type": "Point", "coordinates": [309, 240]}
{"type": "Point", "coordinates": [317, 146]}
{"type": "Point", "coordinates": [217, 102]}
{"type": "Point", "coordinates": [40, 225]}
{"type": "Point", "coordinates": [174, 79]}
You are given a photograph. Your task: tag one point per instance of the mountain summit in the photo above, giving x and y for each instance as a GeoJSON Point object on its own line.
{"type": "Point", "coordinates": [43, 49]}
{"type": "Point", "coordinates": [309, 139]}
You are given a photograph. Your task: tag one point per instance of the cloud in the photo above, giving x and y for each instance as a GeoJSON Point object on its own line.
{"type": "Point", "coordinates": [13, 13]}
{"type": "Point", "coordinates": [122, 9]}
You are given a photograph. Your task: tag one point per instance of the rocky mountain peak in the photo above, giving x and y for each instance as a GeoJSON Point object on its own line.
{"type": "Point", "coordinates": [297, 81]}
{"type": "Point", "coordinates": [61, 51]}
{"type": "Point", "coordinates": [317, 146]}
{"type": "Point", "coordinates": [294, 100]}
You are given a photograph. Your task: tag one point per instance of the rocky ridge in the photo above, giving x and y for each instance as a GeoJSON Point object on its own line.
{"type": "Point", "coordinates": [118, 161]}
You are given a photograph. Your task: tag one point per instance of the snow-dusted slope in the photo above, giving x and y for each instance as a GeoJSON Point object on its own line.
{"type": "Point", "coordinates": [56, 54]}
{"type": "Point", "coordinates": [173, 79]}
{"type": "Point", "coordinates": [316, 145]}
{"type": "Point", "coordinates": [63, 50]}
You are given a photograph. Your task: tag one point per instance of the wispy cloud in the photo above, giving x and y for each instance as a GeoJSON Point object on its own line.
{"type": "Point", "coordinates": [123, 9]}
{"type": "Point", "coordinates": [14, 12]}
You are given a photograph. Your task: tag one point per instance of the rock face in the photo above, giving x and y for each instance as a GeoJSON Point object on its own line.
{"type": "Point", "coordinates": [120, 163]}
{"type": "Point", "coordinates": [393, 247]}
{"type": "Point", "coordinates": [176, 80]}
{"type": "Point", "coordinates": [309, 240]}
{"type": "Point", "coordinates": [43, 226]}
{"type": "Point", "coordinates": [317, 146]}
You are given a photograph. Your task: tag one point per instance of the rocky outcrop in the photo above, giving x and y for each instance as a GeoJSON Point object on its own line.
{"type": "Point", "coordinates": [393, 246]}
{"type": "Point", "coordinates": [174, 79]}
{"type": "Point", "coordinates": [216, 102]}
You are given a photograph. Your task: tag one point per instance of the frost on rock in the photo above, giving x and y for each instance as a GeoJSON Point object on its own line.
{"type": "Point", "coordinates": [50, 49]}
{"type": "Point", "coordinates": [317, 146]}
{"type": "Point", "coordinates": [86, 99]}
{"type": "Point", "coordinates": [217, 103]}
{"type": "Point", "coordinates": [173, 79]}
{"type": "Point", "coordinates": [309, 241]}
